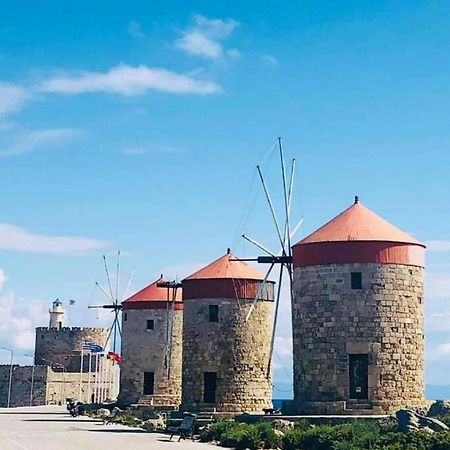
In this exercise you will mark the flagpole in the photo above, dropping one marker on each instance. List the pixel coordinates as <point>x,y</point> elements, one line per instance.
<point>107,388</point>
<point>96,379</point>
<point>81,374</point>
<point>89,378</point>
<point>101,378</point>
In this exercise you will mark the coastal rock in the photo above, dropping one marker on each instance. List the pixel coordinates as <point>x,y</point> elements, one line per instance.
<point>439,408</point>
<point>408,420</point>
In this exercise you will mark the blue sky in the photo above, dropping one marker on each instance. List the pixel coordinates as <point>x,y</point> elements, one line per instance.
<point>137,126</point>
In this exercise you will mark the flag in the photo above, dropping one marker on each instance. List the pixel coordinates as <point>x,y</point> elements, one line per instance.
<point>114,357</point>
<point>92,347</point>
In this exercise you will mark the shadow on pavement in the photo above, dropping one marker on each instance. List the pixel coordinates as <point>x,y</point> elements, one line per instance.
<point>62,420</point>
<point>112,430</point>
<point>23,413</point>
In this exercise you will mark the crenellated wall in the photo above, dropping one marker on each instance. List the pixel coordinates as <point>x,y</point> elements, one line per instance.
<point>63,346</point>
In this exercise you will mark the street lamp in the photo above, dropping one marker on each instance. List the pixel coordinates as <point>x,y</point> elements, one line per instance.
<point>10,374</point>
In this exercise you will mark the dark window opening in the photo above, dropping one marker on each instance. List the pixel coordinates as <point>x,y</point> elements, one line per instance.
<point>209,387</point>
<point>150,324</point>
<point>213,313</point>
<point>149,383</point>
<point>125,317</point>
<point>356,280</point>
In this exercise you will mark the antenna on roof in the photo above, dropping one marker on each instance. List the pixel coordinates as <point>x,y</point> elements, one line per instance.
<point>284,233</point>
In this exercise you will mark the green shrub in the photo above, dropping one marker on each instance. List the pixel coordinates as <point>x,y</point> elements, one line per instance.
<point>217,430</point>
<point>232,436</point>
<point>268,436</point>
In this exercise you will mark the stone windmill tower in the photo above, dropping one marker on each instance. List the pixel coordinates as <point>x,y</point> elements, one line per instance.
<point>152,321</point>
<point>357,312</point>
<point>225,357</point>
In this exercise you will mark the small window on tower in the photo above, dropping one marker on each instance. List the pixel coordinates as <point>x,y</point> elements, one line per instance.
<point>213,313</point>
<point>125,317</point>
<point>356,280</point>
<point>150,324</point>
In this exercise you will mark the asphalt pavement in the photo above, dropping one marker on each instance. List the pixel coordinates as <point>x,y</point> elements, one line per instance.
<point>52,428</point>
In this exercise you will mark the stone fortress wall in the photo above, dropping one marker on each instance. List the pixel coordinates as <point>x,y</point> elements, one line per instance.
<point>40,385</point>
<point>384,319</point>
<point>145,351</point>
<point>237,350</point>
<point>62,346</point>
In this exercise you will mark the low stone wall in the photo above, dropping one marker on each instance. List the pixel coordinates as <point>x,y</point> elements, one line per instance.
<point>40,385</point>
<point>28,386</point>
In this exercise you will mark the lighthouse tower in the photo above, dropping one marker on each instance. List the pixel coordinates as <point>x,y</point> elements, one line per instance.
<point>56,315</point>
<point>357,316</point>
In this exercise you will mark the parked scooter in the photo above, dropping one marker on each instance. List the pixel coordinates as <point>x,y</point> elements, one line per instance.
<point>75,408</point>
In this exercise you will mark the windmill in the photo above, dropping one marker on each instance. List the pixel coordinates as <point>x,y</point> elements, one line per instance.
<point>115,304</point>
<point>284,233</point>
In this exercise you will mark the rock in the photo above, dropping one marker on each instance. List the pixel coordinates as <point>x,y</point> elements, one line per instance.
<point>439,408</point>
<point>282,425</point>
<point>278,433</point>
<point>433,424</point>
<point>154,424</point>
<point>103,412</point>
<point>408,420</point>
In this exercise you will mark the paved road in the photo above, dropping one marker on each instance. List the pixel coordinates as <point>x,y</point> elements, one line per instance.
<point>51,428</point>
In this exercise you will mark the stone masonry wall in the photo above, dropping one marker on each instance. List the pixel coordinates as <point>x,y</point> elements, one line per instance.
<point>384,320</point>
<point>43,386</point>
<point>63,346</point>
<point>145,350</point>
<point>21,385</point>
<point>237,350</point>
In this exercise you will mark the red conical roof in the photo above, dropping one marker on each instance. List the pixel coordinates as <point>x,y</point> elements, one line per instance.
<point>227,267</point>
<point>153,293</point>
<point>358,223</point>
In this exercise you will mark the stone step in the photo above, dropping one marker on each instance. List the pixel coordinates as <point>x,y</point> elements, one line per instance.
<point>359,406</point>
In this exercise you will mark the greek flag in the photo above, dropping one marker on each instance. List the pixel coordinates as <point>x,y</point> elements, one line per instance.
<point>92,347</point>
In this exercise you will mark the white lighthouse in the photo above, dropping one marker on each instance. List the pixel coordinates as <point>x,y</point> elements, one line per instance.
<point>56,315</point>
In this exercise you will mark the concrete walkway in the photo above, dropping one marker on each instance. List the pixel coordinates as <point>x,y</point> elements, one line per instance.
<point>52,428</point>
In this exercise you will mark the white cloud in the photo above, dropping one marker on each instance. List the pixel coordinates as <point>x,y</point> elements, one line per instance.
<point>19,319</point>
<point>26,141</point>
<point>283,346</point>
<point>437,285</point>
<point>437,322</point>
<point>152,148</point>
<point>203,38</point>
<point>438,246</point>
<point>12,98</point>
<point>234,53</point>
<point>135,30</point>
<point>129,81</point>
<point>270,59</point>
<point>437,352</point>
<point>18,239</point>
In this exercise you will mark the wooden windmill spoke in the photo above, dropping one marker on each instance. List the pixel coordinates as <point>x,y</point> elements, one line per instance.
<point>257,244</point>
<point>104,292</point>
<point>277,304</point>
<point>272,210</point>
<point>252,307</point>
<point>108,277</point>
<point>130,279</point>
